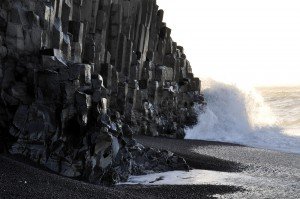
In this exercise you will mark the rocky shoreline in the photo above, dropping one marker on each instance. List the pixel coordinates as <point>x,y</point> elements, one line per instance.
<point>78,78</point>
<point>259,173</point>
<point>270,174</point>
<point>20,178</point>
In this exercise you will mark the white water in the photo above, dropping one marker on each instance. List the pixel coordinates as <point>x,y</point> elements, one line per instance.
<point>257,186</point>
<point>242,116</point>
<point>190,178</point>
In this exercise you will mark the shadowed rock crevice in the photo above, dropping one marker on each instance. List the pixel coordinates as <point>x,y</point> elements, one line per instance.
<point>78,78</point>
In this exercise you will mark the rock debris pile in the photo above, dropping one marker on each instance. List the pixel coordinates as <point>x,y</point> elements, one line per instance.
<point>79,77</point>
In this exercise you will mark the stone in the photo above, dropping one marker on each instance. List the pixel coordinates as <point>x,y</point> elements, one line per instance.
<point>148,71</point>
<point>107,57</point>
<point>99,95</point>
<point>3,52</point>
<point>20,117</point>
<point>165,33</point>
<point>121,96</point>
<point>153,92</point>
<point>83,104</point>
<point>196,84</point>
<point>115,31</point>
<point>164,73</point>
<point>8,74</point>
<point>169,74</point>
<point>77,4</point>
<point>90,50</point>
<point>170,61</point>
<point>120,64</point>
<point>174,47</point>
<point>33,40</point>
<point>189,67</point>
<point>103,105</point>
<point>47,85</point>
<point>66,15</point>
<point>101,20</point>
<point>82,72</point>
<point>160,16</point>
<point>76,29</point>
<point>58,6</point>
<point>76,52</point>
<point>106,73</point>
<point>19,91</point>
<point>79,78</point>
<point>150,55</point>
<point>128,58</point>
<point>68,90</point>
<point>183,68</point>
<point>52,164</point>
<point>159,54</point>
<point>33,19</point>
<point>18,16</point>
<point>181,49</point>
<point>57,34</point>
<point>66,46</point>
<point>141,37</point>
<point>15,37</point>
<point>97,81</point>
<point>100,51</point>
<point>68,170</point>
<point>112,43</point>
<point>53,59</point>
<point>127,131</point>
<point>3,18</point>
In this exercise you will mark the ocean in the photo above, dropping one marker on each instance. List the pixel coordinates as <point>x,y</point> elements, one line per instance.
<point>266,118</point>
<point>285,105</point>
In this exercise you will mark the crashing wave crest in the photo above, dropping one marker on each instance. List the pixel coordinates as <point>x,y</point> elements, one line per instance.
<point>239,116</point>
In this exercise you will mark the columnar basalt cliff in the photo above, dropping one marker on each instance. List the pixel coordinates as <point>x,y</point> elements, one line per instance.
<point>79,77</point>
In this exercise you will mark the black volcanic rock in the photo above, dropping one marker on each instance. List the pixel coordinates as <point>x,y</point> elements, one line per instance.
<point>78,78</point>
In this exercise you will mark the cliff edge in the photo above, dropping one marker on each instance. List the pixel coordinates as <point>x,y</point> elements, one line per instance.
<point>79,77</point>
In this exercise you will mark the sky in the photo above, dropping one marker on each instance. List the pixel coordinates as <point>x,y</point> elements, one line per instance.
<point>248,42</point>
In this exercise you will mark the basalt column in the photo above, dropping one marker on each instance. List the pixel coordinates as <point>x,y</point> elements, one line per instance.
<point>79,77</point>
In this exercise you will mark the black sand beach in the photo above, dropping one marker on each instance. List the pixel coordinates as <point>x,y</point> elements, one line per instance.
<point>18,179</point>
<point>274,174</point>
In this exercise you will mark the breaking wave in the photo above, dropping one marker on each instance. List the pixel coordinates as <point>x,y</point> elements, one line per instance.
<point>241,116</point>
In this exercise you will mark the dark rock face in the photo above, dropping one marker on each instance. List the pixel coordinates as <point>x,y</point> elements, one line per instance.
<point>78,78</point>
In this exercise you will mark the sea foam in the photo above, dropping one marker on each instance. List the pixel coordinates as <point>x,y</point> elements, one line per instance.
<point>241,116</point>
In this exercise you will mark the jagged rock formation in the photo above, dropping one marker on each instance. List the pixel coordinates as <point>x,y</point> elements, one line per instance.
<point>79,77</point>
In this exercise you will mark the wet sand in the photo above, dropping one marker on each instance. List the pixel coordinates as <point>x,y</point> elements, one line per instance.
<point>274,174</point>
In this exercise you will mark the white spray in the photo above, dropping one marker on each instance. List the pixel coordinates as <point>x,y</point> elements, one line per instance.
<point>240,116</point>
